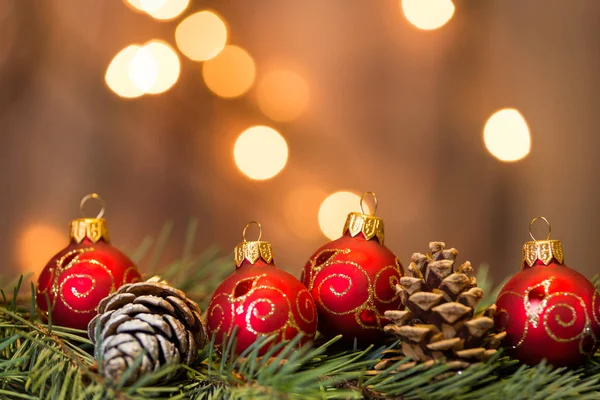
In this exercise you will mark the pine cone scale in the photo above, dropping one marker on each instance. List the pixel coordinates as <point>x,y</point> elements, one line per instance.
<point>438,322</point>
<point>148,318</point>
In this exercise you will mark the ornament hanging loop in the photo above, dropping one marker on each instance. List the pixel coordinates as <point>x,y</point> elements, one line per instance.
<point>89,197</point>
<point>375,202</point>
<point>547,222</point>
<point>246,228</point>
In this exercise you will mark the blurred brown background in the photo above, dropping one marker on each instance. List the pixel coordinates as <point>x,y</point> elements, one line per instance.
<point>392,109</point>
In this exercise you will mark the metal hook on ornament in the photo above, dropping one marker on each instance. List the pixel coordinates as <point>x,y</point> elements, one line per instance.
<point>375,202</point>
<point>547,222</point>
<point>246,228</point>
<point>95,196</point>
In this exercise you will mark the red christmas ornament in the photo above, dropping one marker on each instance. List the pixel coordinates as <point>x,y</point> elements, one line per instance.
<point>548,310</point>
<point>82,274</point>
<point>260,299</point>
<point>353,279</point>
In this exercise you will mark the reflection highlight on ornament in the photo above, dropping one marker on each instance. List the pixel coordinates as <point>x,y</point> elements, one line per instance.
<point>282,95</point>
<point>334,210</point>
<point>37,244</point>
<point>427,14</point>
<point>506,135</point>
<point>231,73</point>
<point>201,36</point>
<point>260,152</point>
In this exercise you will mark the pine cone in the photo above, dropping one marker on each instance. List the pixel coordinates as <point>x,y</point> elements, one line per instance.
<point>150,316</point>
<point>438,320</point>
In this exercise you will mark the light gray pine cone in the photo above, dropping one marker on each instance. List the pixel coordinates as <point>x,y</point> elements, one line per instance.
<point>150,316</point>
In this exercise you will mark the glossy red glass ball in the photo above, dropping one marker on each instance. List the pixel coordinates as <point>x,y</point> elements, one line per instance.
<point>78,277</point>
<point>261,299</point>
<point>353,283</point>
<point>549,312</point>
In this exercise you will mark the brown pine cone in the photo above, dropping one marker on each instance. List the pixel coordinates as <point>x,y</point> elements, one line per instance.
<point>147,316</point>
<point>438,319</point>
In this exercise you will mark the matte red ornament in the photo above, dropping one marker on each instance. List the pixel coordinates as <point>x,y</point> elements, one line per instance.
<point>548,310</point>
<point>260,299</point>
<point>353,280</point>
<point>82,274</point>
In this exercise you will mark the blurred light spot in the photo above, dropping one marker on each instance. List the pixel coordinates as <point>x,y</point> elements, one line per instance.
<point>117,73</point>
<point>159,9</point>
<point>151,5</point>
<point>201,36</point>
<point>428,14</point>
<point>168,10</point>
<point>37,244</point>
<point>143,70</point>
<point>231,73</point>
<point>334,210</point>
<point>282,95</point>
<point>135,4</point>
<point>300,206</point>
<point>167,63</point>
<point>506,135</point>
<point>260,152</point>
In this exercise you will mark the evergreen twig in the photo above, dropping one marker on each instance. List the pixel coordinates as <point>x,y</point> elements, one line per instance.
<point>45,361</point>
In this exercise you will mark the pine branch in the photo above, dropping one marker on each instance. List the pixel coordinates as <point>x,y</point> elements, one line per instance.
<point>44,361</point>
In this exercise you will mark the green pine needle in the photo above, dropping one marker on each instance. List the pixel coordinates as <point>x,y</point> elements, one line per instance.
<point>39,360</point>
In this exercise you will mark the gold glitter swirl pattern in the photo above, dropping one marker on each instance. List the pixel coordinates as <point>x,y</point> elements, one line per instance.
<point>345,291</point>
<point>252,310</point>
<point>79,276</point>
<point>579,301</point>
<point>328,257</point>
<point>240,303</point>
<point>127,272</point>
<point>504,311</point>
<point>215,304</point>
<point>308,306</point>
<point>75,292</point>
<point>547,311</point>
<point>596,307</point>
<point>393,280</point>
<point>335,292</point>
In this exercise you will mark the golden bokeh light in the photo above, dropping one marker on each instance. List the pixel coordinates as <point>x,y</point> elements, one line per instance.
<point>151,5</point>
<point>117,74</point>
<point>37,244</point>
<point>260,152</point>
<point>428,14</point>
<point>231,73</point>
<point>136,4</point>
<point>201,36</point>
<point>506,135</point>
<point>143,70</point>
<point>334,210</point>
<point>168,10</point>
<point>282,95</point>
<point>167,64</point>
<point>160,9</point>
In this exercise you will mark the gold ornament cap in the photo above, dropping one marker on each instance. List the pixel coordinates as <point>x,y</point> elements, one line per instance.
<point>93,229</point>
<point>542,250</point>
<point>367,224</point>
<point>253,250</point>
